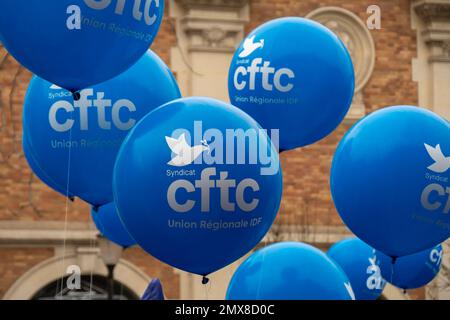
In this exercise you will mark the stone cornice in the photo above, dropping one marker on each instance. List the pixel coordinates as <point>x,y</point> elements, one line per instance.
<point>436,33</point>
<point>430,10</point>
<point>211,25</point>
<point>46,233</point>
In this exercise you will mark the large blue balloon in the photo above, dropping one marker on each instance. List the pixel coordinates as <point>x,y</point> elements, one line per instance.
<point>413,271</point>
<point>108,222</point>
<point>197,184</point>
<point>289,271</point>
<point>86,135</point>
<point>360,263</point>
<point>295,75</point>
<point>390,180</point>
<point>39,172</point>
<point>113,35</point>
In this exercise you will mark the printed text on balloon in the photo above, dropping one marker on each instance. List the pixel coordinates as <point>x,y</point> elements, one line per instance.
<point>83,104</point>
<point>120,4</point>
<point>258,66</point>
<point>205,184</point>
<point>436,189</point>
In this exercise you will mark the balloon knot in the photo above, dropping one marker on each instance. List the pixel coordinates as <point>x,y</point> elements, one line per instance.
<point>76,95</point>
<point>394,260</point>
<point>205,280</point>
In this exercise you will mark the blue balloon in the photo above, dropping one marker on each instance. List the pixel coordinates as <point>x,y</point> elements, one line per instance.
<point>108,222</point>
<point>289,271</point>
<point>197,184</point>
<point>360,263</point>
<point>86,135</point>
<point>413,271</point>
<point>37,170</point>
<point>109,37</point>
<point>295,75</point>
<point>389,179</point>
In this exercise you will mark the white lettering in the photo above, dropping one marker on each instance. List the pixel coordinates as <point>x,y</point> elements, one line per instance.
<point>261,71</point>
<point>206,184</point>
<point>74,20</point>
<point>87,101</point>
<point>120,6</point>
<point>441,192</point>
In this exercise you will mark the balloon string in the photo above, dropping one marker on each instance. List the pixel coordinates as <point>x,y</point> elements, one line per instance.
<point>394,260</point>
<point>68,198</point>
<point>76,95</point>
<point>91,277</point>
<point>207,285</point>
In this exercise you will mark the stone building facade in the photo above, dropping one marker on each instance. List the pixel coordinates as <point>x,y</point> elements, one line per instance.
<point>406,61</point>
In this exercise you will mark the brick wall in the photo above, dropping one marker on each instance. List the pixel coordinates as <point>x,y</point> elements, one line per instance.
<point>307,198</point>
<point>14,262</point>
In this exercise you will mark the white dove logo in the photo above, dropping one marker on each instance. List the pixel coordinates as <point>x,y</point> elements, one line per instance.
<point>350,290</point>
<point>55,87</point>
<point>184,153</point>
<point>250,46</point>
<point>441,163</point>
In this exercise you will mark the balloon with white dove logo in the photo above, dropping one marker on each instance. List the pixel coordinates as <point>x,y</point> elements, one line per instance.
<point>390,180</point>
<point>294,75</point>
<point>289,271</point>
<point>79,43</point>
<point>412,271</point>
<point>197,184</point>
<point>361,264</point>
<point>75,143</point>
